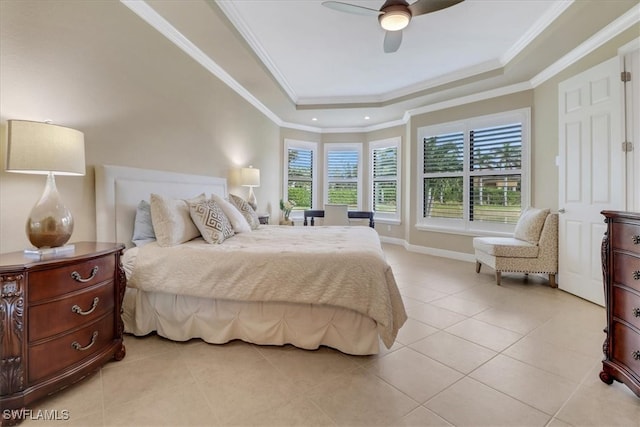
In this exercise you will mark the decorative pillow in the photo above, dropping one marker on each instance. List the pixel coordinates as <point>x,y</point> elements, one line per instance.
<point>237,220</point>
<point>171,219</point>
<point>211,221</point>
<point>247,211</point>
<point>530,225</point>
<point>143,227</point>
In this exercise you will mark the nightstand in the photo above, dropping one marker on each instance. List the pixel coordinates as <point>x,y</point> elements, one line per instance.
<point>264,218</point>
<point>60,320</point>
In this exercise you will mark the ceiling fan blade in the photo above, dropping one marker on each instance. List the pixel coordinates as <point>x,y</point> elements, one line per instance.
<point>392,40</point>
<point>427,6</point>
<point>350,8</point>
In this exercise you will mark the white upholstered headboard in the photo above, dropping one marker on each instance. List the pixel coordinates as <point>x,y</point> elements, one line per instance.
<point>119,189</point>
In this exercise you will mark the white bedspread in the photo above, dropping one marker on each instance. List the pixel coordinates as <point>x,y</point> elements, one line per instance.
<point>340,266</point>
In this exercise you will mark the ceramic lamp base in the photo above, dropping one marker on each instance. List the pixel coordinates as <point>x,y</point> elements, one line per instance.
<point>50,223</point>
<point>253,202</point>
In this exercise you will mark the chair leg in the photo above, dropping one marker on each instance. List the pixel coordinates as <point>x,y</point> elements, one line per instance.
<point>478,266</point>
<point>498,277</point>
<point>552,280</point>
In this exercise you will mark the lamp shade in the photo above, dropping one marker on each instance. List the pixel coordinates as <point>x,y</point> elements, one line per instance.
<point>40,148</point>
<point>250,177</point>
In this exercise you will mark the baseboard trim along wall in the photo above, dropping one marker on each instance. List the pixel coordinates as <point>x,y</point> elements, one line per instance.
<point>460,256</point>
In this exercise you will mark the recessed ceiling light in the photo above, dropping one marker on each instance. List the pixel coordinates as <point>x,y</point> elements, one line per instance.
<point>367,117</point>
<point>314,119</point>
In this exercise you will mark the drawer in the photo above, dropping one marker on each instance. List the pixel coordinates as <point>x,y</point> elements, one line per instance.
<point>626,306</point>
<point>624,237</point>
<point>59,281</point>
<point>626,270</point>
<point>69,313</point>
<point>54,356</point>
<point>626,347</point>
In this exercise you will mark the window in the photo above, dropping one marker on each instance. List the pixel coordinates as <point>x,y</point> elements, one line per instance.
<point>300,182</point>
<point>343,180</point>
<point>474,173</point>
<point>385,179</point>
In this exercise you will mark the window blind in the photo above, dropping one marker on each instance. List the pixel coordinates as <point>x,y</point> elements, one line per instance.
<point>443,181</point>
<point>495,197</point>
<point>385,180</point>
<point>444,153</point>
<point>300,177</point>
<point>342,177</point>
<point>496,148</point>
<point>475,174</point>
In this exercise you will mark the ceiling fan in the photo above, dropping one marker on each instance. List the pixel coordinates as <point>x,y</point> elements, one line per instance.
<point>394,15</point>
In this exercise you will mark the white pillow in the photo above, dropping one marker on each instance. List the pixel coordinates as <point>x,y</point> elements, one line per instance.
<point>238,221</point>
<point>211,221</point>
<point>171,219</point>
<point>530,224</point>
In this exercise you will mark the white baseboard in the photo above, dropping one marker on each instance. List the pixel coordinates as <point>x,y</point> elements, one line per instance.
<point>443,253</point>
<point>393,240</point>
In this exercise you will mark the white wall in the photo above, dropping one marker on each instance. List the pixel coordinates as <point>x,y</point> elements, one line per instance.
<point>97,67</point>
<point>140,101</point>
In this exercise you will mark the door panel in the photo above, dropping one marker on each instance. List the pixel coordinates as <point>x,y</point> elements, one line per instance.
<point>591,173</point>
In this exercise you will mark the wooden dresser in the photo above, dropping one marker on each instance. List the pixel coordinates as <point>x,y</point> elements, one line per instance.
<point>621,273</point>
<point>60,321</point>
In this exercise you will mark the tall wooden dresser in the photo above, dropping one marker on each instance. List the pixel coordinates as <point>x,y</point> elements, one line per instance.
<point>621,274</point>
<point>60,321</point>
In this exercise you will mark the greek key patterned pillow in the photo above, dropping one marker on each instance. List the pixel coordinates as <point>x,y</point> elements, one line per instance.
<point>247,211</point>
<point>211,221</point>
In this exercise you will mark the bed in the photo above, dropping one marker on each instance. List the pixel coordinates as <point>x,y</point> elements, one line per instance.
<point>275,285</point>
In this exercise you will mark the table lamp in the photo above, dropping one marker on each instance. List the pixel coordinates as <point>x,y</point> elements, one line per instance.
<point>43,148</point>
<point>250,177</point>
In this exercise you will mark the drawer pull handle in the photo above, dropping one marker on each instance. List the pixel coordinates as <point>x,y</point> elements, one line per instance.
<point>78,278</point>
<point>636,275</point>
<point>636,355</point>
<point>76,308</point>
<point>76,345</point>
<point>636,240</point>
<point>636,312</point>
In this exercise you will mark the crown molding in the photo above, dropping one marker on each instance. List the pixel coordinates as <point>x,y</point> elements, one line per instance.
<point>631,17</point>
<point>480,96</point>
<point>149,15</point>
<point>230,10</point>
<point>403,92</point>
<point>153,18</point>
<point>538,27</point>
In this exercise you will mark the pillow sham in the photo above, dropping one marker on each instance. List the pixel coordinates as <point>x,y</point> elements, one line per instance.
<point>143,227</point>
<point>247,211</point>
<point>171,219</point>
<point>210,219</point>
<point>237,220</point>
<point>530,224</point>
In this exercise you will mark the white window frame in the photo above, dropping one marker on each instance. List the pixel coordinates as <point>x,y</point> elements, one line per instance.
<point>342,146</point>
<point>302,145</point>
<point>382,144</point>
<point>464,225</point>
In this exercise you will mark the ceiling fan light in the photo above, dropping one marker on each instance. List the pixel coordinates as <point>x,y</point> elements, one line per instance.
<point>395,19</point>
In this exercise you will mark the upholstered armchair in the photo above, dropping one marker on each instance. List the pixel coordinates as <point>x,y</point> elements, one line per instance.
<point>532,249</point>
<point>336,214</point>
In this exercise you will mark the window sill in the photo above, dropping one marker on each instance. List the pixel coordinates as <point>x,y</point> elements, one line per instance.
<point>387,221</point>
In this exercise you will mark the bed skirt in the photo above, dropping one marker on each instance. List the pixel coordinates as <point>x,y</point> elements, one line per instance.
<point>307,326</point>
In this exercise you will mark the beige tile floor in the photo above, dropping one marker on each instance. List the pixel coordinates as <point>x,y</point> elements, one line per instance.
<point>471,354</point>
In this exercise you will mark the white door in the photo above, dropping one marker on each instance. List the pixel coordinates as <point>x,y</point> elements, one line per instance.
<point>632,100</point>
<point>591,173</point>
